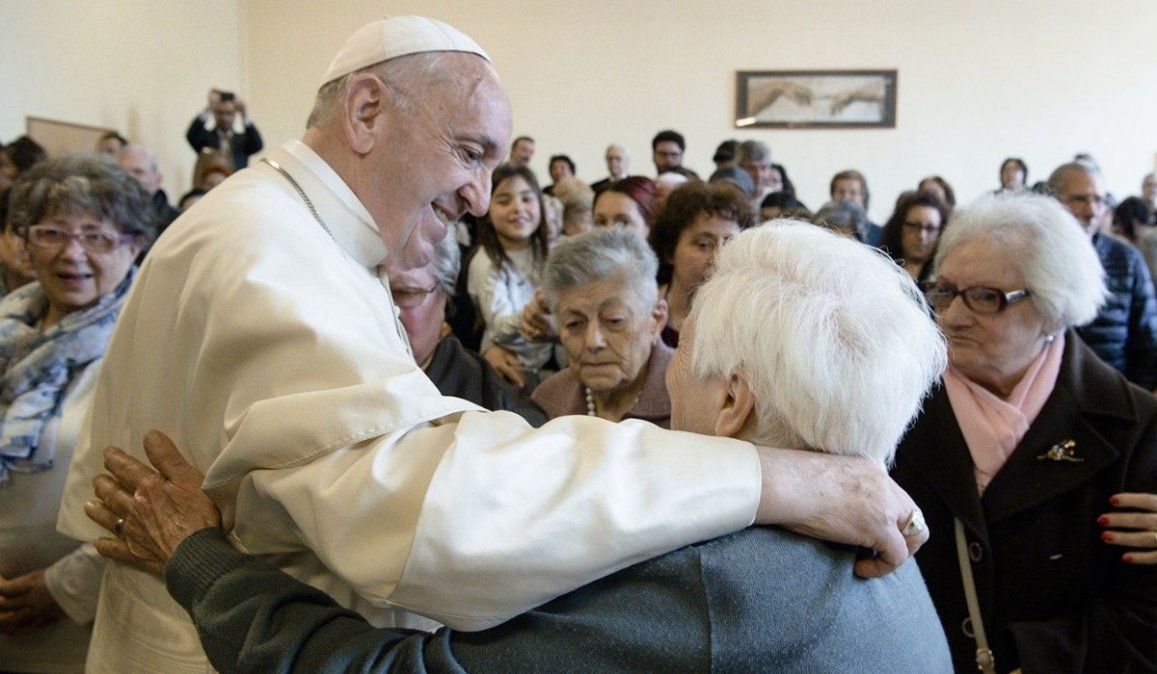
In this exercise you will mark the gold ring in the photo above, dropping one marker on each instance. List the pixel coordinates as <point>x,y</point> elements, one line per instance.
<point>119,526</point>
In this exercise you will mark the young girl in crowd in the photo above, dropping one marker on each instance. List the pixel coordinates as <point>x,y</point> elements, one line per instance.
<point>504,271</point>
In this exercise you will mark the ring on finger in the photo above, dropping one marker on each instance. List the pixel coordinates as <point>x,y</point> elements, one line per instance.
<point>915,523</point>
<point>118,527</point>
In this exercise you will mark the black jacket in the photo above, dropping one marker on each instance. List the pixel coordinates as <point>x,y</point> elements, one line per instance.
<point>464,374</point>
<point>1053,596</point>
<point>244,144</point>
<point>1124,334</point>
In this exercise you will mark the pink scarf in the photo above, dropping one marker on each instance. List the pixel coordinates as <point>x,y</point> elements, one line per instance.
<point>993,427</point>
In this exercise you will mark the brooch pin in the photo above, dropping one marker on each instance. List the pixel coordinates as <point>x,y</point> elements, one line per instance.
<point>1063,451</point>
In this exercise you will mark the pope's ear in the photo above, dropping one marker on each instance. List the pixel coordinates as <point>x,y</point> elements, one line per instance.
<point>363,112</point>
<point>736,408</point>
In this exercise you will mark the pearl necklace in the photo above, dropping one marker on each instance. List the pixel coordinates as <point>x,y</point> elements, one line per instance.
<point>591,412</point>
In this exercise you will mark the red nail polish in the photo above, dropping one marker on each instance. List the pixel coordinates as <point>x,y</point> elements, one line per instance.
<point>1107,537</point>
<point>1114,500</point>
<point>1103,521</point>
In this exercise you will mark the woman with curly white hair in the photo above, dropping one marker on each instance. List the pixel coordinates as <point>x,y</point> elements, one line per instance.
<point>1020,451</point>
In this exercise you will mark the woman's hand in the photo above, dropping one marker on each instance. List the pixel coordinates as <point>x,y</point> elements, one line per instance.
<point>150,512</point>
<point>26,605</point>
<point>1133,529</point>
<point>506,364</point>
<point>534,321</point>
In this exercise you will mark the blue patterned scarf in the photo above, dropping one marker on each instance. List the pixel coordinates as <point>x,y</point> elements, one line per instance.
<point>37,367</point>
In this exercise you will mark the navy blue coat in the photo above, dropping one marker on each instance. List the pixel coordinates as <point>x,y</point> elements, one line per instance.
<point>1124,334</point>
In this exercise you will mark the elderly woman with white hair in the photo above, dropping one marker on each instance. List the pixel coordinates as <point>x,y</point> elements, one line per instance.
<point>1023,447</point>
<point>784,347</point>
<point>600,286</point>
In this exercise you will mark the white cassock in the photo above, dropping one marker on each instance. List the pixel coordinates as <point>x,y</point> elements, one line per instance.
<point>268,350</point>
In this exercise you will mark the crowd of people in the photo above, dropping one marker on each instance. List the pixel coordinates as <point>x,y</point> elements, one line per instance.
<point>997,354</point>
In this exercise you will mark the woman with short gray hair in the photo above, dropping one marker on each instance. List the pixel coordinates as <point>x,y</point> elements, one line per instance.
<point>83,221</point>
<point>1023,447</point>
<point>600,287</point>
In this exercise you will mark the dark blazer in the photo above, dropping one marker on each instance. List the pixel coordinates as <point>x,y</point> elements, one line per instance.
<point>244,144</point>
<point>1053,596</point>
<point>464,374</point>
<point>760,600</point>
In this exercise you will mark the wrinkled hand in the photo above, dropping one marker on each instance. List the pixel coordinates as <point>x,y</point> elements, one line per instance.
<point>239,106</point>
<point>534,322</point>
<point>160,509</point>
<point>1133,529</point>
<point>26,605</point>
<point>841,499</point>
<point>214,97</point>
<point>506,364</point>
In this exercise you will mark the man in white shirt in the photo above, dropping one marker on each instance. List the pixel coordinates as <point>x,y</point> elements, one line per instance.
<point>260,338</point>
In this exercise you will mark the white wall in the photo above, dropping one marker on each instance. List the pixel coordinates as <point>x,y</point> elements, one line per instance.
<point>979,80</point>
<point>143,67</point>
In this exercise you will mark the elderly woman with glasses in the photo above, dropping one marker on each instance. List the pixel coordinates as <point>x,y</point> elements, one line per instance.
<point>601,288</point>
<point>1023,448</point>
<point>84,221</point>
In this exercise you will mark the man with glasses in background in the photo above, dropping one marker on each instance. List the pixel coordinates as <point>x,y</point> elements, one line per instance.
<point>1124,334</point>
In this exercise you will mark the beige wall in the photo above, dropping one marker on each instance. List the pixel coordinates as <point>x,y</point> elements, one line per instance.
<point>978,80</point>
<point>143,67</point>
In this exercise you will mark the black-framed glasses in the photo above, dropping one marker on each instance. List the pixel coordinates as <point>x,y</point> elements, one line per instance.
<point>408,298</point>
<point>980,299</point>
<point>921,227</point>
<point>51,238</point>
<point>1090,200</point>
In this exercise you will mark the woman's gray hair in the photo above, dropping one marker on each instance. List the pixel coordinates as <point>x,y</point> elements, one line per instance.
<point>753,150</point>
<point>833,338</point>
<point>598,254</point>
<point>843,215</point>
<point>81,183</point>
<point>1045,243</point>
<point>446,264</point>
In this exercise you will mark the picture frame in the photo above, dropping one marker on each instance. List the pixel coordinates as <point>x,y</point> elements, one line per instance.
<point>815,99</point>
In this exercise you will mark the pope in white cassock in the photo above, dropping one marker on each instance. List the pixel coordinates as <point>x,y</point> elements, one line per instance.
<point>261,338</point>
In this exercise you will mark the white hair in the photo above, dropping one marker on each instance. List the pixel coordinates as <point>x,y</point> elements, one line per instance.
<point>599,254</point>
<point>833,338</point>
<point>446,264</point>
<point>670,179</point>
<point>1045,243</point>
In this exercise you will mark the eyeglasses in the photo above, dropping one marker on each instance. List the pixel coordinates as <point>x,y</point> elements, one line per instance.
<point>979,299</point>
<point>93,241</point>
<point>918,227</point>
<point>408,298</point>
<point>1091,200</point>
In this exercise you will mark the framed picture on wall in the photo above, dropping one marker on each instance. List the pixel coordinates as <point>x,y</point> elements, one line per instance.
<point>815,99</point>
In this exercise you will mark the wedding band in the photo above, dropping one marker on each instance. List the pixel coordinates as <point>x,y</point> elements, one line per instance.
<point>915,523</point>
<point>119,526</point>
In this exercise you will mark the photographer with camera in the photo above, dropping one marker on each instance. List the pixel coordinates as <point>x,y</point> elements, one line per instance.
<point>224,106</point>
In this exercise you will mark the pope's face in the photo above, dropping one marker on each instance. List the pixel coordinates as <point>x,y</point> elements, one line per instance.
<point>432,161</point>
